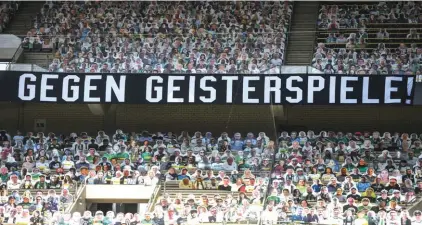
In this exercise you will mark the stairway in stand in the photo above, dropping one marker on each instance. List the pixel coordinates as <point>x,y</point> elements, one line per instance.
<point>301,40</point>
<point>21,23</point>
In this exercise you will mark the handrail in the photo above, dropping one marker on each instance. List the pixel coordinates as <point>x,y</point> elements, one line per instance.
<point>381,39</point>
<point>48,61</point>
<point>376,28</point>
<point>17,50</point>
<point>312,54</point>
<point>357,48</point>
<point>288,34</point>
<point>264,199</point>
<point>153,200</point>
<point>375,43</point>
<point>9,65</point>
<point>101,34</point>
<point>201,191</point>
<point>77,196</point>
<point>216,171</point>
<point>369,30</point>
<point>64,206</point>
<point>340,4</point>
<point>415,205</point>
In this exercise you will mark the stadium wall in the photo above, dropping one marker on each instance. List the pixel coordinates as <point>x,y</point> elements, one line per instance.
<point>215,118</point>
<point>78,117</point>
<point>356,118</point>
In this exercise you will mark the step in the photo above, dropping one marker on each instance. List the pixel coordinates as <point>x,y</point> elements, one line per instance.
<point>298,51</point>
<point>295,60</point>
<point>302,39</point>
<point>307,18</point>
<point>19,33</point>
<point>295,48</point>
<point>42,60</point>
<point>303,13</point>
<point>295,24</point>
<point>307,40</point>
<point>308,24</point>
<point>300,43</point>
<point>46,56</point>
<point>19,27</point>
<point>36,54</point>
<point>302,32</point>
<point>300,57</point>
<point>310,29</point>
<point>303,20</point>
<point>306,4</point>
<point>306,56</point>
<point>37,62</point>
<point>303,27</point>
<point>304,10</point>
<point>298,60</point>
<point>297,64</point>
<point>305,7</point>
<point>299,54</point>
<point>304,36</point>
<point>42,65</point>
<point>304,23</point>
<point>301,50</point>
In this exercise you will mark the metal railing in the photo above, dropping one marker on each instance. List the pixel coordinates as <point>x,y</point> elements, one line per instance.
<point>14,57</point>
<point>153,200</point>
<point>76,197</point>
<point>286,42</point>
<point>265,223</point>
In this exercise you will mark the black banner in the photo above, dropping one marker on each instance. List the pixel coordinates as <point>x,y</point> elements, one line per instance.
<point>316,89</point>
<point>417,100</point>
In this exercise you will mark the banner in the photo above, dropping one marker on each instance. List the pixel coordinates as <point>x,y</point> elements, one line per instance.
<point>417,100</point>
<point>205,88</point>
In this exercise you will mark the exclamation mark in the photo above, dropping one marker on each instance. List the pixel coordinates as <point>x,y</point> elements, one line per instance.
<point>410,81</point>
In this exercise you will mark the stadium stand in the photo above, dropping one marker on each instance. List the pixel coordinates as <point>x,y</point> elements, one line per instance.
<point>336,178</point>
<point>370,38</point>
<point>190,37</point>
<point>211,179</point>
<point>7,11</point>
